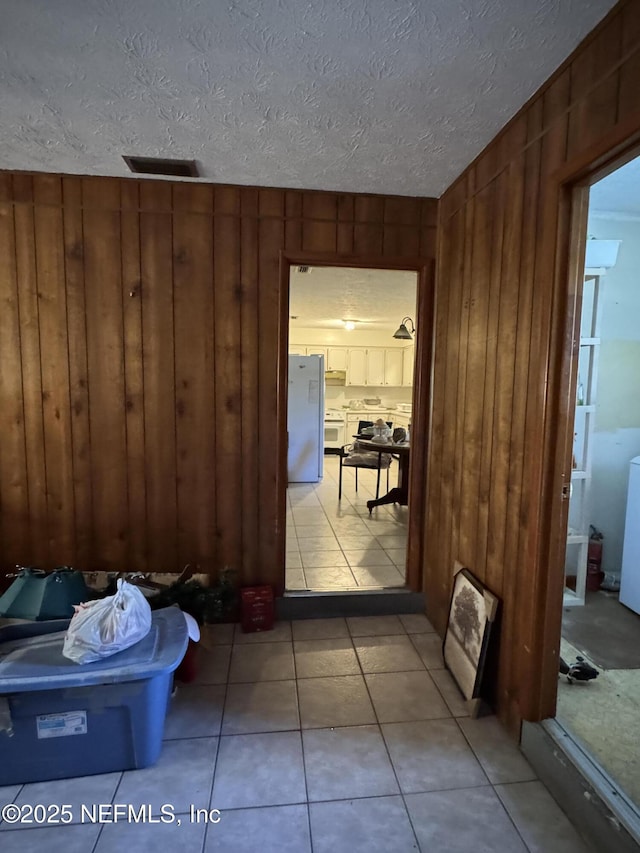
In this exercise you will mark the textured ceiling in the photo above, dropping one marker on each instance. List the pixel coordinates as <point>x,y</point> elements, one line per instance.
<point>386,96</point>
<point>375,299</point>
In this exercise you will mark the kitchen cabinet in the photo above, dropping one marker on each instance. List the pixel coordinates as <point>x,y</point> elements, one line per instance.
<point>295,349</point>
<point>393,367</point>
<point>375,374</point>
<point>356,367</point>
<point>400,419</point>
<point>408,357</point>
<point>314,350</point>
<point>337,358</point>
<point>579,502</point>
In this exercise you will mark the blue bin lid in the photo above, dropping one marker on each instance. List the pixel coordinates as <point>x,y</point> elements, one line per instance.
<point>37,663</point>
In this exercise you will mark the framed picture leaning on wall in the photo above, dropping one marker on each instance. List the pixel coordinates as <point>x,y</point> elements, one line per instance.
<point>472,612</point>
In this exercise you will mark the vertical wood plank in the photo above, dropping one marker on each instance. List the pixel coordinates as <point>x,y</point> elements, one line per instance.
<point>228,397</point>
<point>195,409</point>
<point>159,389</point>
<point>55,377</point>
<point>14,496</point>
<point>78,372</point>
<point>105,357</point>
<point>132,299</point>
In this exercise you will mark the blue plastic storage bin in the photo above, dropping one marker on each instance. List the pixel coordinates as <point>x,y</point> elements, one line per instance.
<point>77,720</point>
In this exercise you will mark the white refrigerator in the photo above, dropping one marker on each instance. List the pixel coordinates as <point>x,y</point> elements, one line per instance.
<point>305,418</point>
<point>630,576</point>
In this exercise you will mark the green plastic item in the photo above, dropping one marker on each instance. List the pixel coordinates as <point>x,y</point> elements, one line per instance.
<point>37,595</point>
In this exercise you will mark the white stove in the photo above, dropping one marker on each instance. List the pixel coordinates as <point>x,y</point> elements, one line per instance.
<point>334,428</point>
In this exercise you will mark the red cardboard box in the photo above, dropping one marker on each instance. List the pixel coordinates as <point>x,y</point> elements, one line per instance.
<point>257,608</point>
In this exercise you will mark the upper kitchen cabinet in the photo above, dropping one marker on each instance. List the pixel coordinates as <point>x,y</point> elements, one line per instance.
<point>337,358</point>
<point>393,367</point>
<point>408,356</point>
<point>375,367</point>
<point>356,367</point>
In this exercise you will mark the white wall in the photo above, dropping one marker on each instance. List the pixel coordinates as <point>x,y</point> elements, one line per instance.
<point>616,437</point>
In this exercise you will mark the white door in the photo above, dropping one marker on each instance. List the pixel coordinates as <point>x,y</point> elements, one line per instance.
<point>393,367</point>
<point>375,367</point>
<point>630,577</point>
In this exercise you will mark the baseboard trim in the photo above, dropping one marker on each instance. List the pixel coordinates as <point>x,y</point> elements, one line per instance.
<point>316,605</point>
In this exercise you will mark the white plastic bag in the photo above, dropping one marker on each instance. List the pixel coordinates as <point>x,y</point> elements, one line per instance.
<point>108,625</point>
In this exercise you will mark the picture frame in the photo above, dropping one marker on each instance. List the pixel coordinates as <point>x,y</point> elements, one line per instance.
<point>472,612</point>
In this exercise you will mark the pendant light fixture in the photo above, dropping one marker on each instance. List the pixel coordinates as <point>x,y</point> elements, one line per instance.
<point>403,333</point>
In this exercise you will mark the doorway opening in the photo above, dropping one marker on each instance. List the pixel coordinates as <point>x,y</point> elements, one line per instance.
<point>348,370</point>
<point>601,602</point>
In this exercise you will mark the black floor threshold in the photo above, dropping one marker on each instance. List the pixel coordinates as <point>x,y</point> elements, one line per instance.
<point>316,605</point>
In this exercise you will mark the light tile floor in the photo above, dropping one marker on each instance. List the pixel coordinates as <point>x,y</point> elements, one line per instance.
<point>323,736</point>
<point>337,545</point>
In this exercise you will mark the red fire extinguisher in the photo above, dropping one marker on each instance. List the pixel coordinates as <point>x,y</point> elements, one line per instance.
<point>594,559</point>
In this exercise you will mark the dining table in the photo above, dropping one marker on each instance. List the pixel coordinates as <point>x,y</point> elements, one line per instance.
<point>399,494</point>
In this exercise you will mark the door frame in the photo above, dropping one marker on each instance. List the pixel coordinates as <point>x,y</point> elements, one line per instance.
<point>566,212</point>
<point>422,391</point>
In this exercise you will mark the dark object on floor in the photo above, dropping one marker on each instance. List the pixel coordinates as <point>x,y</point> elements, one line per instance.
<point>605,631</point>
<point>205,603</point>
<point>580,670</point>
<point>39,595</point>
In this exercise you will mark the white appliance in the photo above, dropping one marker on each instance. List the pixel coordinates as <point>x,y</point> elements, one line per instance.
<point>630,577</point>
<point>305,418</point>
<point>334,429</point>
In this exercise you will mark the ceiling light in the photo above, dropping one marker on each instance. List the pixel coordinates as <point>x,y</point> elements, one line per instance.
<point>402,332</point>
<point>349,325</point>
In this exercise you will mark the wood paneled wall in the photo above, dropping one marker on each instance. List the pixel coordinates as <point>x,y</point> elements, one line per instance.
<point>498,318</point>
<point>140,336</point>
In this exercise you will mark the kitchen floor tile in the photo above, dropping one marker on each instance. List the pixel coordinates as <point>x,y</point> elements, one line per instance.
<point>356,543</point>
<point>261,662</point>
<point>387,654</point>
<point>195,711</point>
<point>319,629</point>
<point>393,540</point>
<point>294,579</point>
<point>405,696</point>
<point>369,825</point>
<point>264,706</point>
<point>259,770</point>
<point>323,559</point>
<point>320,528</point>
<point>347,762</point>
<point>398,556</point>
<point>378,576</point>
<point>330,578</point>
<point>499,755</point>
<point>276,829</point>
<point>432,755</point>
<point>292,560</point>
<point>308,515</point>
<point>462,821</point>
<point>319,543</point>
<point>367,557</point>
<point>316,658</point>
<point>539,819</point>
<point>334,701</point>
